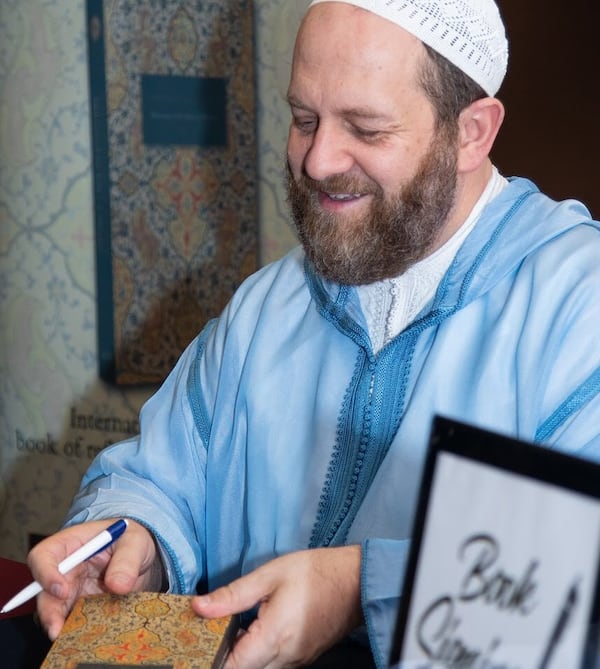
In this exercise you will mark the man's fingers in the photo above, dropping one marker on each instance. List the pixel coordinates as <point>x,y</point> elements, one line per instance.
<point>240,595</point>
<point>253,649</point>
<point>257,647</point>
<point>124,566</point>
<point>132,556</point>
<point>306,601</point>
<point>52,615</point>
<point>44,558</point>
<point>221,602</point>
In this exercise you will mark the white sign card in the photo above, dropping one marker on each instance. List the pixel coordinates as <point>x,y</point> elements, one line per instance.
<point>504,568</point>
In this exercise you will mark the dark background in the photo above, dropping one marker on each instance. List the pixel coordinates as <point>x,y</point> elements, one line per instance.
<point>552,96</point>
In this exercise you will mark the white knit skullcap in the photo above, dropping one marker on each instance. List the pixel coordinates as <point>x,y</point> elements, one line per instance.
<point>469,33</point>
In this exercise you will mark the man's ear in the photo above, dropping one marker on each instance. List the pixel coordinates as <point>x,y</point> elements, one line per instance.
<point>478,126</point>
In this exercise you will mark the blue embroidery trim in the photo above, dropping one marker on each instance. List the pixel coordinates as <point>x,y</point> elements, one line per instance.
<point>577,399</point>
<point>194,387</point>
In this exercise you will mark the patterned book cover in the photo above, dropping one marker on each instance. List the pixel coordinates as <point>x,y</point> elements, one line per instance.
<point>174,156</point>
<point>147,629</point>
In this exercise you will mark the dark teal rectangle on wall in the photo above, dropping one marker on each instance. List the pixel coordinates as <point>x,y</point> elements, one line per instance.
<point>184,111</point>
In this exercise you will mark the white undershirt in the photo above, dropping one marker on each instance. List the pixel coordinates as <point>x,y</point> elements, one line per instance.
<point>392,304</point>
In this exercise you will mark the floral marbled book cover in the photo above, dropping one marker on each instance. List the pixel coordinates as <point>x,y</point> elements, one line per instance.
<point>154,630</point>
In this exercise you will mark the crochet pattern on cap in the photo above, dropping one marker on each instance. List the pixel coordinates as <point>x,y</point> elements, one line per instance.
<point>469,33</point>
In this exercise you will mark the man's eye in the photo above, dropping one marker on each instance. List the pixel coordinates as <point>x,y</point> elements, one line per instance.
<point>305,125</point>
<point>366,134</point>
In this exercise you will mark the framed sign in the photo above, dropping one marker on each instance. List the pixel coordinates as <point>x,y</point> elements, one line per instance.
<point>504,571</point>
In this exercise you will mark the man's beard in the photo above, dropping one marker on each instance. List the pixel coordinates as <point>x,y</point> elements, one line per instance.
<point>391,236</point>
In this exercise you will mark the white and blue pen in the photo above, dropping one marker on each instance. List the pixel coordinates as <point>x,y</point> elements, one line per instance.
<point>85,552</point>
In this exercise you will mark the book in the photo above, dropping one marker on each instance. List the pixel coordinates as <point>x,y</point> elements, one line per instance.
<point>155,630</point>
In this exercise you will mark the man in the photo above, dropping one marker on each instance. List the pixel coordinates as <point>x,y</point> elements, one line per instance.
<point>278,465</point>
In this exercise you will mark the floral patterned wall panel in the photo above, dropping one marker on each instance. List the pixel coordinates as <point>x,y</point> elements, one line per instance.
<point>55,412</point>
<point>172,90</point>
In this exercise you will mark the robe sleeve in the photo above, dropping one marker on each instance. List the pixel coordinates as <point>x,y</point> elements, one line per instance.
<point>383,566</point>
<point>150,478</point>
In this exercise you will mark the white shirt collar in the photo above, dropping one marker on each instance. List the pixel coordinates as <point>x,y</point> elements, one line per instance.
<point>392,304</point>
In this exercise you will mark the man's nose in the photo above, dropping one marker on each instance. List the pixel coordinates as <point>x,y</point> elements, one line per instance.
<point>329,153</point>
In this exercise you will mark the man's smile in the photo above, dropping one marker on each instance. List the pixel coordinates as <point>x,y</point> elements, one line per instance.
<point>334,201</point>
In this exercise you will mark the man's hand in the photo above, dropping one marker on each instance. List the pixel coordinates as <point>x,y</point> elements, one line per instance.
<point>131,563</point>
<point>307,602</point>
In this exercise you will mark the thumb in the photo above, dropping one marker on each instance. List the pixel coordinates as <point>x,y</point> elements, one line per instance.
<point>238,596</point>
<point>130,565</point>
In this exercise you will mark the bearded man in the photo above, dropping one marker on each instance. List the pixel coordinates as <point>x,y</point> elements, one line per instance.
<point>279,464</point>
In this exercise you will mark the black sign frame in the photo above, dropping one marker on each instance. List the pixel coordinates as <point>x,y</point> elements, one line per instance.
<point>524,463</point>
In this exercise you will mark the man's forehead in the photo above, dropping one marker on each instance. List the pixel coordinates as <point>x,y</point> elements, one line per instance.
<point>347,44</point>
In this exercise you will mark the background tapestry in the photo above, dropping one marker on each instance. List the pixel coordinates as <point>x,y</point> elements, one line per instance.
<point>173,126</point>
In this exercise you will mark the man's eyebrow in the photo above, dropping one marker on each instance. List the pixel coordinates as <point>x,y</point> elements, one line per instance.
<point>295,102</point>
<point>365,113</point>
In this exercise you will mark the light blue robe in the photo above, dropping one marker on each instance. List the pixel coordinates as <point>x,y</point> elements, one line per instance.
<point>279,429</point>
